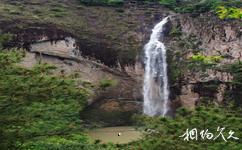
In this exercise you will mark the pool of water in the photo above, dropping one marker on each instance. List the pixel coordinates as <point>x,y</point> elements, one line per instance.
<point>117,135</point>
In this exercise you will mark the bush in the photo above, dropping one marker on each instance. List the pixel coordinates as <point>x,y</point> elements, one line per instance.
<point>199,61</point>
<point>231,8</point>
<point>229,13</point>
<point>105,83</point>
<point>163,133</point>
<point>168,3</point>
<point>37,107</point>
<point>196,7</point>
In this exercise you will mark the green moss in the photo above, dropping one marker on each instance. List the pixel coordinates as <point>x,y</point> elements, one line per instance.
<point>205,59</point>
<point>199,62</point>
<point>105,83</point>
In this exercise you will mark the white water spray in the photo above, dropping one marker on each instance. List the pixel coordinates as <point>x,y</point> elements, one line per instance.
<point>155,89</point>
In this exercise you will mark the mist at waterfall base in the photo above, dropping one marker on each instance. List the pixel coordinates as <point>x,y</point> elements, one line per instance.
<point>155,88</point>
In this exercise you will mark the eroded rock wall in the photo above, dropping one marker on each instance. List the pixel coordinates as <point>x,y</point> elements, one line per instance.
<point>209,36</point>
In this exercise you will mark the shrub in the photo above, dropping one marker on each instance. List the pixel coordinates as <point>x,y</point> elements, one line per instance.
<point>163,133</point>
<point>202,62</point>
<point>168,3</point>
<point>196,7</point>
<point>229,13</point>
<point>37,108</point>
<point>105,83</point>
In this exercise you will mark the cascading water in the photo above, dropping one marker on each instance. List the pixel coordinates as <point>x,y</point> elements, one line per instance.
<point>155,88</point>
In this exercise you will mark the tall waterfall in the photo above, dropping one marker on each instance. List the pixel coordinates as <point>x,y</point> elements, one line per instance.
<point>155,88</point>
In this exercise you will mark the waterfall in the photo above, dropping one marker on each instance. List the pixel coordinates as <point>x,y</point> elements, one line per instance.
<point>155,88</point>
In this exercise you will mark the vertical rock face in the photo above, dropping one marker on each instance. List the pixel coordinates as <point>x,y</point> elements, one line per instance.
<point>116,102</point>
<point>217,37</point>
<point>209,36</point>
<point>63,54</point>
<point>108,46</point>
<point>188,97</point>
<point>65,47</point>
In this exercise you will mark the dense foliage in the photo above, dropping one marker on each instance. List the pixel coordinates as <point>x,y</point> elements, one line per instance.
<point>224,8</point>
<point>163,133</point>
<point>38,109</point>
<point>229,13</point>
<point>201,62</point>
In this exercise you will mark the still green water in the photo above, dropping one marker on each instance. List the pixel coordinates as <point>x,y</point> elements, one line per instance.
<point>110,134</point>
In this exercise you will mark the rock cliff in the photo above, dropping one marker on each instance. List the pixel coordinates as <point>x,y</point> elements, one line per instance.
<point>106,43</point>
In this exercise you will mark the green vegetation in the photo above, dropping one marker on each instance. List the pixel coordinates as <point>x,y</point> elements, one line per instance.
<point>196,62</point>
<point>175,32</point>
<point>229,13</point>
<point>200,6</point>
<point>105,83</point>
<point>78,20</point>
<point>58,12</point>
<point>168,3</point>
<point>164,132</point>
<point>203,62</point>
<point>111,24</point>
<point>224,8</point>
<point>38,109</point>
<point>236,70</point>
<point>206,59</point>
<point>230,9</point>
